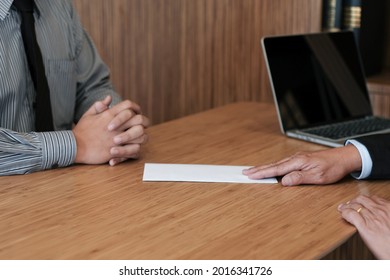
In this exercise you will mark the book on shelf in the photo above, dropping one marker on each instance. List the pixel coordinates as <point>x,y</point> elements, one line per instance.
<point>342,15</point>
<point>352,14</point>
<point>366,18</point>
<point>332,15</point>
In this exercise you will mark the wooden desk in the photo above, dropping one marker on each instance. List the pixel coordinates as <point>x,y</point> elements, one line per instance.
<point>102,212</point>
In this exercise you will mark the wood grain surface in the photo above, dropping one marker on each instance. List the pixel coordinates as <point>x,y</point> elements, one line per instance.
<point>103,212</point>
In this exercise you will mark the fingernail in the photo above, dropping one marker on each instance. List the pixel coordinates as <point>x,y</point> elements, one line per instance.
<point>117,140</point>
<point>111,127</point>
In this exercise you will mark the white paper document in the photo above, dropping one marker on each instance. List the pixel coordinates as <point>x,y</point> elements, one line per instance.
<point>199,173</point>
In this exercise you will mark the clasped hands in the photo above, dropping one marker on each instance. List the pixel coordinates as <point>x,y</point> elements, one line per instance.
<point>112,135</point>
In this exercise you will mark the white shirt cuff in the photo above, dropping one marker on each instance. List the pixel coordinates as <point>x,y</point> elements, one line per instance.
<point>366,160</point>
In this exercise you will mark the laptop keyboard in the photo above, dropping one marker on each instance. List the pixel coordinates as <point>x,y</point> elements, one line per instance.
<point>350,128</point>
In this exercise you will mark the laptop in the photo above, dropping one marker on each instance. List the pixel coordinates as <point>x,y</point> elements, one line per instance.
<point>319,87</point>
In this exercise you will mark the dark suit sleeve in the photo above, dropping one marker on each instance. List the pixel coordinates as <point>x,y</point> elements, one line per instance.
<point>379,148</point>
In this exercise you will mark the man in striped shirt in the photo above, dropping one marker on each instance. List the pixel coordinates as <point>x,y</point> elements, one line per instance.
<point>92,125</point>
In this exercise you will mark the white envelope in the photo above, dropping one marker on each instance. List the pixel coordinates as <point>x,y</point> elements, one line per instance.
<point>199,173</point>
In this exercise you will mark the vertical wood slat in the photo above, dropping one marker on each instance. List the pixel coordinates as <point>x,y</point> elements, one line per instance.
<point>353,249</point>
<point>178,57</point>
<point>379,89</point>
<point>381,104</point>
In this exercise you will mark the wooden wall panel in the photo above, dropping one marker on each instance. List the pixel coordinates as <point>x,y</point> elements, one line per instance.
<point>353,249</point>
<point>178,57</point>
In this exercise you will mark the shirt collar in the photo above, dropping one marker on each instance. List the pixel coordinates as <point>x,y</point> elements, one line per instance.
<point>5,6</point>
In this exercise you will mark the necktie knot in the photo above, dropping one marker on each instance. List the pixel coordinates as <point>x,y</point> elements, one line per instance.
<point>26,6</point>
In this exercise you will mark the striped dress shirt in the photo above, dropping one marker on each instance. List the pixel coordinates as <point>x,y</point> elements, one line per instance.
<point>76,75</point>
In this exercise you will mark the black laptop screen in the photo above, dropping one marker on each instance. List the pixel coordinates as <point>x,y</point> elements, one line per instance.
<point>316,78</point>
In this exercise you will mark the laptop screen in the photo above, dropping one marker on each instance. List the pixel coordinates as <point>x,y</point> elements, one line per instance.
<point>316,78</point>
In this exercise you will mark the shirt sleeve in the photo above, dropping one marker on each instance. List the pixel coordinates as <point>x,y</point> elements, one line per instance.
<point>22,153</point>
<point>378,146</point>
<point>366,160</point>
<point>93,75</point>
